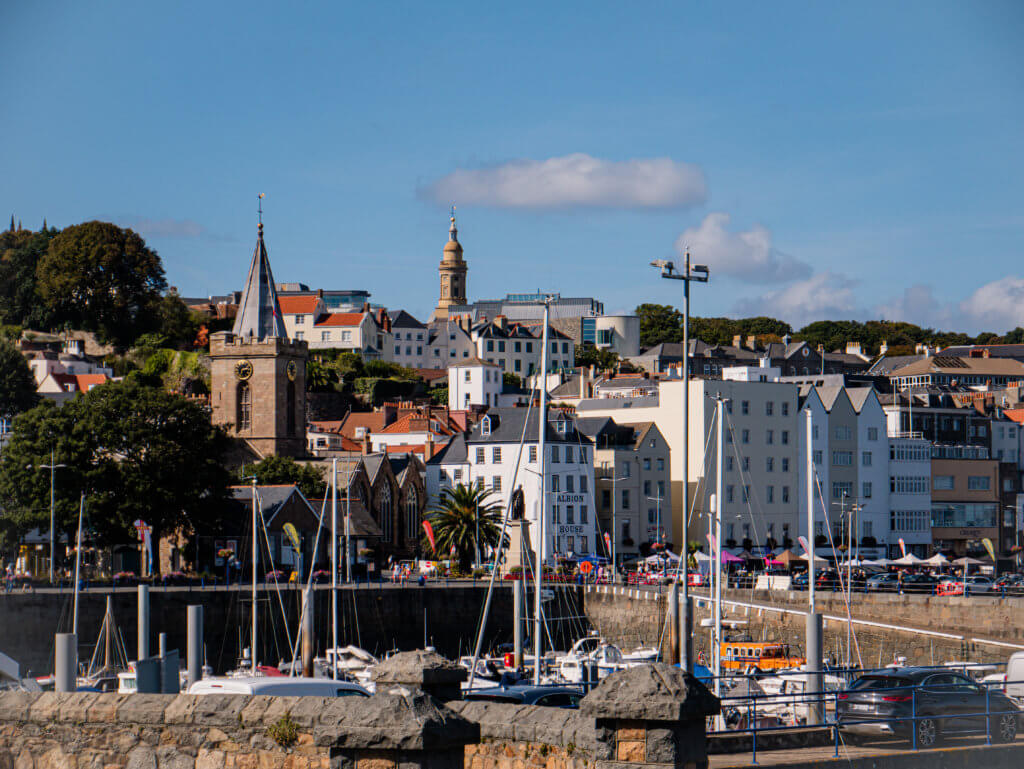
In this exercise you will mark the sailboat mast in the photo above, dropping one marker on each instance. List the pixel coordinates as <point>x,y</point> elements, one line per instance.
<point>542,506</point>
<point>717,563</point>
<point>255,542</point>
<point>78,563</point>
<point>334,565</point>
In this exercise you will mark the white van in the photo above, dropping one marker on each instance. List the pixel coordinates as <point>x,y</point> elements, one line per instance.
<point>277,686</point>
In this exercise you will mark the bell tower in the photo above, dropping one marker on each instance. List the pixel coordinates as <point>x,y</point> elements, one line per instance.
<point>257,374</point>
<point>452,271</point>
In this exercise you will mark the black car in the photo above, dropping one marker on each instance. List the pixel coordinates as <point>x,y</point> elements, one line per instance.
<point>930,701</point>
<point>522,694</point>
<point>919,583</point>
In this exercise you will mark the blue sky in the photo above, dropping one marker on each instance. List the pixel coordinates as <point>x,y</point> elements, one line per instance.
<point>827,160</point>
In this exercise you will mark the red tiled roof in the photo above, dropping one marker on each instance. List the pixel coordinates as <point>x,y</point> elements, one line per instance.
<point>81,382</point>
<point>432,373</point>
<point>303,305</point>
<point>340,319</point>
<point>416,422</point>
<point>1017,415</point>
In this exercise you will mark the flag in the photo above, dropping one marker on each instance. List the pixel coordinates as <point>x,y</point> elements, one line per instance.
<point>607,543</point>
<point>711,541</point>
<point>804,544</point>
<point>988,546</point>
<point>293,536</point>
<point>430,535</point>
<point>903,546</point>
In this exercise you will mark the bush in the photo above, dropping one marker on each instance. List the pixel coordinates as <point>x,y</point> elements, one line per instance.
<point>284,731</point>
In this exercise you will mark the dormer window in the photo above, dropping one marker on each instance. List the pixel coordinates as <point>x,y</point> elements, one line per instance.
<point>562,426</point>
<point>485,426</point>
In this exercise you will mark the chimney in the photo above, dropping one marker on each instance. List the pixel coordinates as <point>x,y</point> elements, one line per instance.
<point>737,340</point>
<point>884,347</point>
<point>428,447</point>
<point>501,322</point>
<point>853,348</point>
<point>593,371</point>
<point>366,443</point>
<point>319,293</point>
<point>986,353</point>
<point>583,384</point>
<point>751,342</point>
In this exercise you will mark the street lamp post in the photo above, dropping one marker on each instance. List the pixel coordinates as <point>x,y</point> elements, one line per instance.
<point>699,273</point>
<point>51,467</point>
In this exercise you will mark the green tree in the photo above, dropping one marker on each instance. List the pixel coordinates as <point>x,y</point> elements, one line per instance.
<point>589,355</point>
<point>659,323</point>
<point>102,278</point>
<point>455,522</point>
<point>20,253</point>
<point>134,450</point>
<point>175,321</point>
<point>17,385</point>
<point>320,377</point>
<point>276,470</point>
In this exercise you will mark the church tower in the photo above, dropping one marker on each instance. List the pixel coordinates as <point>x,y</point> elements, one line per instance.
<point>452,271</point>
<point>258,375</point>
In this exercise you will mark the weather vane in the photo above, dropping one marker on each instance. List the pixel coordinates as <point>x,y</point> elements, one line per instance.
<point>260,204</point>
<point>452,212</point>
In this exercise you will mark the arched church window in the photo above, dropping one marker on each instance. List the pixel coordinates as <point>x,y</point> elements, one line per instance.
<point>244,407</point>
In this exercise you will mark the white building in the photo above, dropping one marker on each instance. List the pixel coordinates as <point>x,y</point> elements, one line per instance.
<point>473,382</point>
<point>409,340</point>
<point>910,495</point>
<point>487,456</point>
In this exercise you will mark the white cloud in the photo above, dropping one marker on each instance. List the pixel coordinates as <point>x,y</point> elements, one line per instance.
<point>997,306</point>
<point>747,256</point>
<point>918,305</point>
<point>574,181</point>
<point>827,295</point>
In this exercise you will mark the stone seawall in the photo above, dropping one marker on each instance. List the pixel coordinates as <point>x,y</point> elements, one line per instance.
<point>378,619</point>
<point>626,616</point>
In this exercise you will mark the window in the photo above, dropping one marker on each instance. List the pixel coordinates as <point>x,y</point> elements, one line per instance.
<point>556,483</point>
<point>556,513</point>
<point>872,433</point>
<point>529,347</point>
<point>625,530</point>
<point>299,335</point>
<point>346,336</point>
<point>943,483</point>
<point>769,437</point>
<point>625,499</point>
<point>501,347</point>
<point>746,464</point>
<point>842,458</point>
<point>627,470</point>
<point>770,495</point>
<point>746,493</point>
<point>769,464</point>
<point>554,454</point>
<point>244,407</point>
<point>468,375</point>
<point>325,336</point>
<point>290,406</point>
<point>496,455</point>
<point>729,464</point>
<point>817,456</point>
<point>568,453</point>
<point>496,483</point>
<point>533,454</point>
<point>583,549</point>
<point>398,349</point>
<point>785,494</point>
<point>785,408</point>
<point>842,433</point>
<point>866,490</point>
<point>769,407</point>
<point>841,489</point>
<point>661,465</point>
<point>583,513</point>
<point>554,347</point>
<point>606,498</point>
<point>652,515</point>
<point>785,464</point>
<point>865,458</point>
<point>412,515</point>
<point>480,455</point>
<point>647,463</point>
<point>384,513</point>
<point>729,493</point>
<point>570,482</point>
<point>570,514</point>
<point>979,483</point>
<point>300,319</point>
<point>583,484</point>
<point>745,407</point>
<point>785,437</point>
<point>661,489</point>
<point>490,345</point>
<point>745,436</point>
<point>814,432</point>
<point>583,455</point>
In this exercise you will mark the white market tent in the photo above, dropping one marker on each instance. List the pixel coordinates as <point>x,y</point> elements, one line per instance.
<point>908,560</point>
<point>937,560</point>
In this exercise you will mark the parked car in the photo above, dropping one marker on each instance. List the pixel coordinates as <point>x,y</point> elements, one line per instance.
<point>933,703</point>
<point>919,583</point>
<point>799,582</point>
<point>827,579</point>
<point>888,582</point>
<point>523,694</point>
<point>1009,580</point>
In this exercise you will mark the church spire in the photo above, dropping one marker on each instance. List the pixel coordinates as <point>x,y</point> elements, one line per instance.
<point>453,232</point>
<point>259,313</point>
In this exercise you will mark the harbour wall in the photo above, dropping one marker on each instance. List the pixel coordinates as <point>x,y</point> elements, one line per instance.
<point>377,618</point>
<point>924,629</point>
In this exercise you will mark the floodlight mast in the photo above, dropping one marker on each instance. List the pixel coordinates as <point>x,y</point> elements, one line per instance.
<point>698,273</point>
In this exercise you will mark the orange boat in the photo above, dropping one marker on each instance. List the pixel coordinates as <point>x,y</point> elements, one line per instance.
<point>740,655</point>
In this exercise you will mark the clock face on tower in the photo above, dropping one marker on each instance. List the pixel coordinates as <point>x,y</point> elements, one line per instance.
<point>292,370</point>
<point>243,370</point>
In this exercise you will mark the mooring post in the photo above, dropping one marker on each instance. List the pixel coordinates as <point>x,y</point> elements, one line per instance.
<point>815,707</point>
<point>194,651</point>
<point>143,620</point>
<point>65,662</point>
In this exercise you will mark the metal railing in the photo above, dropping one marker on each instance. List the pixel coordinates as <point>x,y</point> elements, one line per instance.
<point>741,715</point>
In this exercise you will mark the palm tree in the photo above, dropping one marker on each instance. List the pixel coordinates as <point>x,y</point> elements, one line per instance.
<point>462,512</point>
